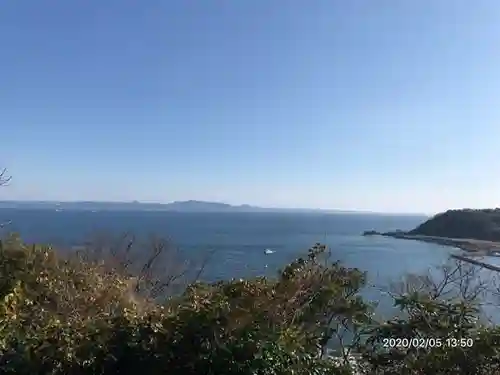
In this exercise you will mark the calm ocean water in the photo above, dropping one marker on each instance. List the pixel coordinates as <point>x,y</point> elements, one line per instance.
<point>240,239</point>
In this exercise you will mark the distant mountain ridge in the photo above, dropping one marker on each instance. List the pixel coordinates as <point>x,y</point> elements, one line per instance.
<point>177,206</point>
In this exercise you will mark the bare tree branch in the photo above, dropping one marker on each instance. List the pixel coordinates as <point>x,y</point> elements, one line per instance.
<point>4,178</point>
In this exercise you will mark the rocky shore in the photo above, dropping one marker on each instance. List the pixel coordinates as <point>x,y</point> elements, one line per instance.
<point>472,246</point>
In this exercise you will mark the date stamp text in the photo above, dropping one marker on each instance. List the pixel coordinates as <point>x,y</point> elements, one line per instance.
<point>426,343</point>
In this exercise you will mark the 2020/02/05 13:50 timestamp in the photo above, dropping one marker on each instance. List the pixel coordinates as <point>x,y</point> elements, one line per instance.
<point>403,342</point>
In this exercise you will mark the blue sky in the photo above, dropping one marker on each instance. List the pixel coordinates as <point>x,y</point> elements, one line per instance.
<point>376,105</point>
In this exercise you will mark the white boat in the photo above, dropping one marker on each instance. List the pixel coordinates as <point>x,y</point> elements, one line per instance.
<point>269,251</point>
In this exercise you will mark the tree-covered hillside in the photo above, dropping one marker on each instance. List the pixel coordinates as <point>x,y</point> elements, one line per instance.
<point>467,223</point>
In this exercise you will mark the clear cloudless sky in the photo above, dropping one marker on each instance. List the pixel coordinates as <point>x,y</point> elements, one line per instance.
<point>388,105</point>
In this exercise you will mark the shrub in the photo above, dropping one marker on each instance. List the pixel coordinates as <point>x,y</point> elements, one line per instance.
<point>75,315</point>
<point>439,330</point>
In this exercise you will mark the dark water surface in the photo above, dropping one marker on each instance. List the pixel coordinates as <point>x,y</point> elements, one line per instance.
<point>240,239</point>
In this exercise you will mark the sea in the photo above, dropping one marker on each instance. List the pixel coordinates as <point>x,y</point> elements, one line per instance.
<point>242,245</point>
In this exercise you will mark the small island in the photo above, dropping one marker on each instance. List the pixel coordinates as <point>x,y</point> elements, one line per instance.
<point>476,231</point>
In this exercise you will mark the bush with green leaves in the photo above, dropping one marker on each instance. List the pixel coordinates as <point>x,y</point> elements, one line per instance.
<point>440,330</point>
<point>70,316</point>
<point>75,315</point>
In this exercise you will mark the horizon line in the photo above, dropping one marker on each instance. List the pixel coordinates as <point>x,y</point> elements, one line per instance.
<point>361,211</point>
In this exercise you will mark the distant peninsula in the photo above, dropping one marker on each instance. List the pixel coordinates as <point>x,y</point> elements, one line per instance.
<point>473,230</point>
<point>177,206</point>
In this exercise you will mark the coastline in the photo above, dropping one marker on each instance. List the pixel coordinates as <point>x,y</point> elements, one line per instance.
<point>472,246</point>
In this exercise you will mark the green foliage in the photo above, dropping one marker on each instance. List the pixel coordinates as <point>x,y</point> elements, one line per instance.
<point>76,316</point>
<point>443,337</point>
<point>61,316</point>
<point>467,223</point>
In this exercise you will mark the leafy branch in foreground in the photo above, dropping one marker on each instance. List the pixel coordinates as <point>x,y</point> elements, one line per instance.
<point>441,314</point>
<point>91,314</point>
